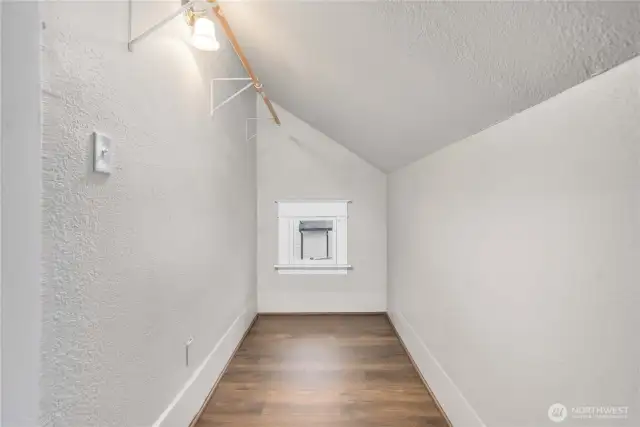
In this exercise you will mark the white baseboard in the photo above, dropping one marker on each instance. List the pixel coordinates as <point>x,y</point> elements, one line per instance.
<point>189,400</point>
<point>454,404</point>
<point>317,301</point>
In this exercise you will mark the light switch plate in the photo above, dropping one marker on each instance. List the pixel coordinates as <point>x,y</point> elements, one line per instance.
<point>102,153</point>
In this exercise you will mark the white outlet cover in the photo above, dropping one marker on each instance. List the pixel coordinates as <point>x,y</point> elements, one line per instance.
<point>102,153</point>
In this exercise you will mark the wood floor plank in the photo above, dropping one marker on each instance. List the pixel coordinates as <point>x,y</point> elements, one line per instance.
<point>321,371</point>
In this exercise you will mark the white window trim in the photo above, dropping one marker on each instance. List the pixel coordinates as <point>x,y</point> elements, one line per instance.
<point>290,213</point>
<point>313,269</point>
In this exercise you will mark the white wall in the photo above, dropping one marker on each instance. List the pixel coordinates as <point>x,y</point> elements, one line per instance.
<point>164,248</point>
<point>0,211</point>
<point>296,161</point>
<point>21,215</point>
<point>513,260</point>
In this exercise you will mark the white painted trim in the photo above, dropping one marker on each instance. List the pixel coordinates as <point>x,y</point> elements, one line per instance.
<point>312,217</point>
<point>313,266</point>
<point>190,398</point>
<point>313,201</point>
<point>458,409</point>
<point>313,269</point>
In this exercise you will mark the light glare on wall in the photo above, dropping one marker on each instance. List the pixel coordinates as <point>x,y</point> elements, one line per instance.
<point>204,35</point>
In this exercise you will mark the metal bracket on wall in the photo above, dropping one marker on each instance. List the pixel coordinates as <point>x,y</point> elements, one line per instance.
<point>249,138</point>
<point>215,107</point>
<point>133,40</point>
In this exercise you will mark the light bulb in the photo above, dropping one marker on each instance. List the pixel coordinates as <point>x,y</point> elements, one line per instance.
<point>204,35</point>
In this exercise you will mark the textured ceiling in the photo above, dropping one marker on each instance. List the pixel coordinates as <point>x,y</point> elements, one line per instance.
<point>394,81</point>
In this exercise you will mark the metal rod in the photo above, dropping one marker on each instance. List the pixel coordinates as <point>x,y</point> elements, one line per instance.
<point>213,109</point>
<point>301,245</point>
<point>243,59</point>
<point>160,24</point>
<point>327,237</point>
<point>212,91</point>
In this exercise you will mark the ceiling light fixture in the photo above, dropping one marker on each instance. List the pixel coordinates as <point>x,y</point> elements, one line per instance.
<point>203,34</point>
<point>203,37</point>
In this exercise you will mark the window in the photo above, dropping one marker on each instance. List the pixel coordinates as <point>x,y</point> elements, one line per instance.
<point>312,237</point>
<point>316,239</point>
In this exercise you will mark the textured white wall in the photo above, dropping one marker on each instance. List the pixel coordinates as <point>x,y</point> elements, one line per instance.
<point>513,260</point>
<point>162,249</point>
<point>0,211</point>
<point>296,161</point>
<point>21,214</point>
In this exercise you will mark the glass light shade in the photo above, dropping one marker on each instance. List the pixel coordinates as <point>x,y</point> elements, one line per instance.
<point>204,35</point>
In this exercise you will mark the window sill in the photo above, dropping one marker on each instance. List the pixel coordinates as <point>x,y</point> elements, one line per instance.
<point>313,268</point>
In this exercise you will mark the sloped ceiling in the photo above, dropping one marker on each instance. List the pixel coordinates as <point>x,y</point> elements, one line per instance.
<point>395,81</point>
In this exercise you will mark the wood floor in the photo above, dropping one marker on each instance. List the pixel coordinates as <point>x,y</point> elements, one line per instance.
<point>321,371</point>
